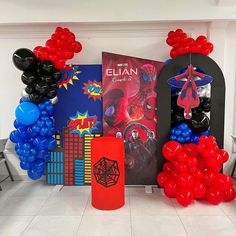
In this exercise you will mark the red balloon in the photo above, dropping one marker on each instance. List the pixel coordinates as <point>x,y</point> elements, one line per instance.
<point>78,47</point>
<point>214,161</point>
<point>36,50</point>
<point>169,41</point>
<point>181,166</point>
<point>191,162</point>
<point>173,53</point>
<point>59,64</point>
<point>59,30</point>
<point>201,39</point>
<point>190,41</point>
<point>178,31</point>
<point>168,167</point>
<point>191,149</point>
<point>174,174</point>
<point>229,195</point>
<point>171,34</point>
<point>208,177</point>
<point>223,182</point>
<point>224,155</point>
<point>170,188</point>
<point>199,190</point>
<point>43,53</point>
<point>197,173</point>
<point>184,196</point>
<point>161,179</point>
<point>171,149</point>
<point>201,164</point>
<point>203,139</point>
<point>214,195</point>
<point>185,180</point>
<point>182,157</point>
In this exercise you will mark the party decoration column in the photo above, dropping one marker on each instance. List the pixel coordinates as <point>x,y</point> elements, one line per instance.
<point>34,134</point>
<point>107,173</point>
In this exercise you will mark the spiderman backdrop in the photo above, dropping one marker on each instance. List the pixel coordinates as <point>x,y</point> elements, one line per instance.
<point>129,111</point>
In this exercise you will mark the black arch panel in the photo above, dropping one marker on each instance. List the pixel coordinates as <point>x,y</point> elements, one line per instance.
<point>209,67</point>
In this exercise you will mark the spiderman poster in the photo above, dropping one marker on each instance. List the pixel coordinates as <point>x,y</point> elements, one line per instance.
<point>129,111</point>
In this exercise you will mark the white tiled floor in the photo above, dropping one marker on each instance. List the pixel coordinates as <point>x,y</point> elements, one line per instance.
<point>33,208</point>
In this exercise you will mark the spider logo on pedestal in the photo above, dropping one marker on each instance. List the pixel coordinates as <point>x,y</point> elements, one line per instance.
<point>106,172</point>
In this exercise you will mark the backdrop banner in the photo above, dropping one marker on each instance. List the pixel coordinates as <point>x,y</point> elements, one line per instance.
<point>130,112</point>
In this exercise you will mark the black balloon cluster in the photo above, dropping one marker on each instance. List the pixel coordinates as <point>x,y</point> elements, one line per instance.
<point>40,76</point>
<point>199,122</point>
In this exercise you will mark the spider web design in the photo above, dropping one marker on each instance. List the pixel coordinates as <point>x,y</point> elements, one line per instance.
<point>106,172</point>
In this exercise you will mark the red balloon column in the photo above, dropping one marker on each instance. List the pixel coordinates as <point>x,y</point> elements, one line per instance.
<point>193,172</point>
<point>182,44</point>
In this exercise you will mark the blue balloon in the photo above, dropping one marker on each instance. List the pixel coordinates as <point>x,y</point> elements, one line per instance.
<point>43,113</point>
<point>41,106</point>
<point>27,113</point>
<point>40,123</point>
<point>177,132</point>
<point>44,131</point>
<point>14,136</point>
<point>33,151</point>
<point>173,137</point>
<point>38,165</point>
<point>180,139</point>
<point>50,109</point>
<point>34,175</point>
<point>52,143</point>
<point>40,143</point>
<point>35,128</point>
<point>43,154</point>
<point>19,151</point>
<point>51,132</point>
<point>17,124</point>
<point>182,126</point>
<point>49,123</point>
<point>27,146</point>
<point>31,132</point>
<point>44,118</point>
<point>24,165</point>
<point>31,158</point>
<point>23,158</point>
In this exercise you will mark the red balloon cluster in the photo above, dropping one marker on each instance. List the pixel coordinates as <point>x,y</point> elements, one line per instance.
<point>59,48</point>
<point>182,44</point>
<point>193,172</point>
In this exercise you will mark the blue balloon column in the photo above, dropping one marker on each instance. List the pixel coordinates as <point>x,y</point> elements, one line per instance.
<point>183,134</point>
<point>34,136</point>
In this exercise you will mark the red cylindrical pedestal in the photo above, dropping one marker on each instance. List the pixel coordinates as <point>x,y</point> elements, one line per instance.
<point>107,160</point>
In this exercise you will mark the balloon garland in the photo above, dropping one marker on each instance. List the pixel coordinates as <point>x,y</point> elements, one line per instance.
<point>182,44</point>
<point>194,160</point>
<point>193,172</point>
<point>34,122</point>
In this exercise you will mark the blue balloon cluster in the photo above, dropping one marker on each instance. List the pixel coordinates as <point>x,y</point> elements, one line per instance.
<point>183,134</point>
<point>34,136</point>
<point>195,137</point>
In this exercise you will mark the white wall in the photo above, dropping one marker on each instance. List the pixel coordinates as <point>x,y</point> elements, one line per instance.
<point>139,37</point>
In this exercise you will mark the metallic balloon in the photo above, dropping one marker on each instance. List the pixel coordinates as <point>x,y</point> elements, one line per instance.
<point>24,95</point>
<point>54,100</point>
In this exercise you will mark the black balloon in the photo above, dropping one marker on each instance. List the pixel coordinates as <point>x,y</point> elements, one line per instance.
<point>52,93</point>
<point>53,86</point>
<point>29,89</point>
<point>28,78</point>
<point>41,88</point>
<point>57,76</point>
<point>206,104</point>
<point>24,59</point>
<point>47,79</point>
<point>36,98</point>
<point>199,122</point>
<point>177,118</point>
<point>47,67</point>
